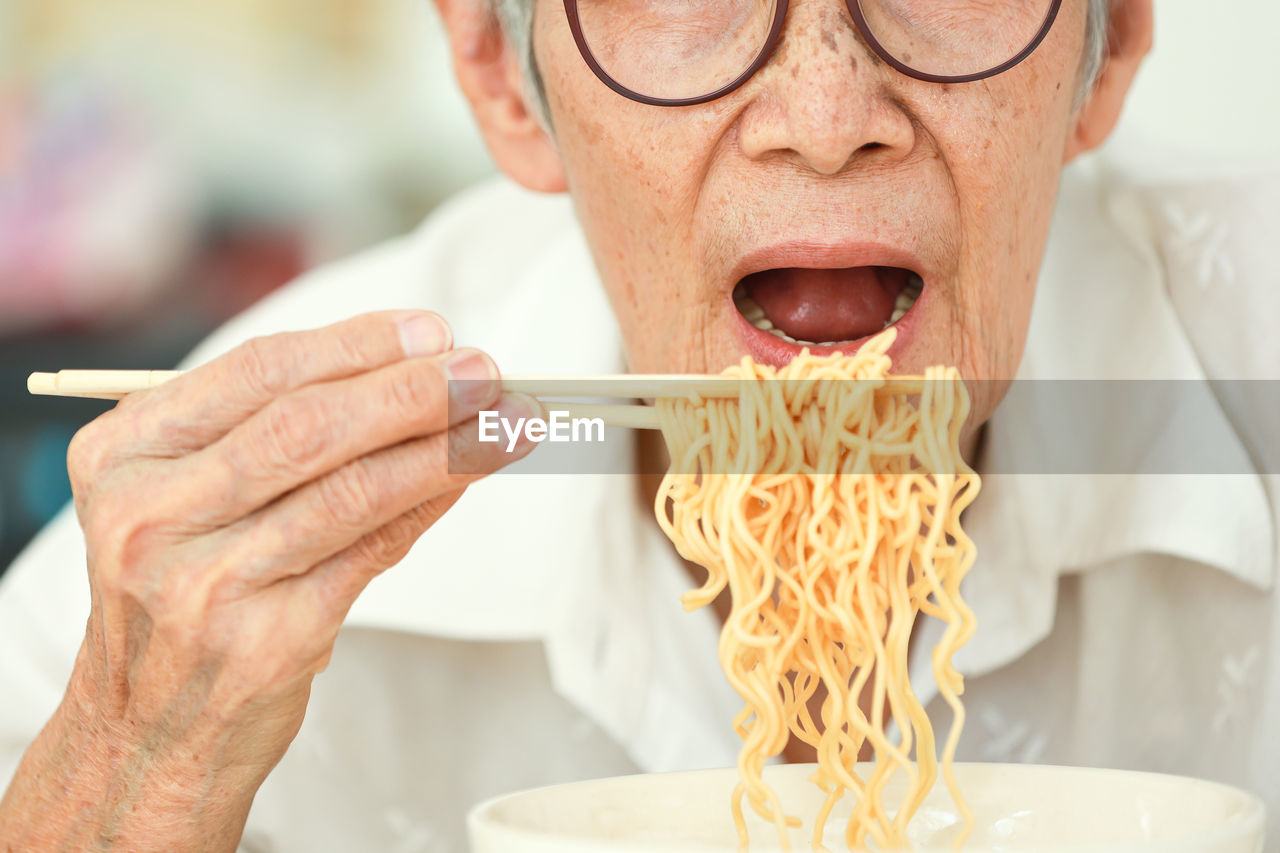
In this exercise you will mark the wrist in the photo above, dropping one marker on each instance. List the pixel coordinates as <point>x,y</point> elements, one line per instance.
<point>94,781</point>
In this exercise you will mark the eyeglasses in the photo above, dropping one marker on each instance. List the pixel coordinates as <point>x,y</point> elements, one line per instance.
<point>681,52</point>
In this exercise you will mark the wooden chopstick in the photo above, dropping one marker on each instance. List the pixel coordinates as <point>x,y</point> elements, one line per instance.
<point>97,384</point>
<point>626,385</point>
<point>115,384</point>
<point>627,417</point>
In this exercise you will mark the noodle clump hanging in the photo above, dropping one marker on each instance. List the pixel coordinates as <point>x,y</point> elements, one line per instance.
<point>831,512</point>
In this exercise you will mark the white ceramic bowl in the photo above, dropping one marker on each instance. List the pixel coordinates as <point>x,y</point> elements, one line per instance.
<point>1017,807</point>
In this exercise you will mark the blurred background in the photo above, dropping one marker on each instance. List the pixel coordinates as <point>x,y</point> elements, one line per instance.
<point>164,165</point>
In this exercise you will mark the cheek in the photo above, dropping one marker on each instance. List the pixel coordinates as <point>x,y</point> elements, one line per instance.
<point>635,175</point>
<point>1005,162</point>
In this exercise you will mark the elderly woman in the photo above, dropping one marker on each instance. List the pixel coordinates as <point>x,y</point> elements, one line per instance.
<point>824,169</point>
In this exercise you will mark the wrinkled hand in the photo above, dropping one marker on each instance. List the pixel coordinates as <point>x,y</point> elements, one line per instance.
<point>232,516</point>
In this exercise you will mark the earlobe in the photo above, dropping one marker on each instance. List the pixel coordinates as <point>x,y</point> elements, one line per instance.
<point>488,72</point>
<point>1130,39</point>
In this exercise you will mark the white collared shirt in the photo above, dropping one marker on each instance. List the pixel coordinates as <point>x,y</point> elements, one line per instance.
<point>535,635</point>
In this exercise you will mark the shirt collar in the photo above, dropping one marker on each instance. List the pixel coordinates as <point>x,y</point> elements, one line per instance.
<point>1102,311</point>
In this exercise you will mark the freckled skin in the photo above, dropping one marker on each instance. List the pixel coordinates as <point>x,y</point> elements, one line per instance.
<point>819,144</point>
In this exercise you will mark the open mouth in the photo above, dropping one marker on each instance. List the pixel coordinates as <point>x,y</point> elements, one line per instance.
<point>827,307</point>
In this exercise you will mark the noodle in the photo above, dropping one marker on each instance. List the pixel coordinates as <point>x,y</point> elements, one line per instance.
<point>831,512</point>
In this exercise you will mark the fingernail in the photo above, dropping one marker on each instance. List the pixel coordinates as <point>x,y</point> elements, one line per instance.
<point>473,377</point>
<point>424,334</point>
<point>518,409</point>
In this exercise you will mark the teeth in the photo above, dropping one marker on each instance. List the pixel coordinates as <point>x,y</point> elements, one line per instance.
<point>906,298</point>
<point>753,312</point>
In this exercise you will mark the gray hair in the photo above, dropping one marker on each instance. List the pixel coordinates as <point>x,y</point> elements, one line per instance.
<point>1097,34</point>
<point>516,19</point>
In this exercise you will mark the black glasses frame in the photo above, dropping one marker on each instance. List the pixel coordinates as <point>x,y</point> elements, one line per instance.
<point>779,19</point>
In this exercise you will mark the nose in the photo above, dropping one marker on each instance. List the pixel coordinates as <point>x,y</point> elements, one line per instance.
<point>821,98</point>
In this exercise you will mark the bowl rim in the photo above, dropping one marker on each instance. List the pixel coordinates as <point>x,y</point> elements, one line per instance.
<point>1250,817</point>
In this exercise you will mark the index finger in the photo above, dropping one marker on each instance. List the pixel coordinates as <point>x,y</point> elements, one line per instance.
<point>198,408</point>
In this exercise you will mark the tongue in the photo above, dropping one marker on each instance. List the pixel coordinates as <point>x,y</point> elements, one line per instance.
<point>827,305</point>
